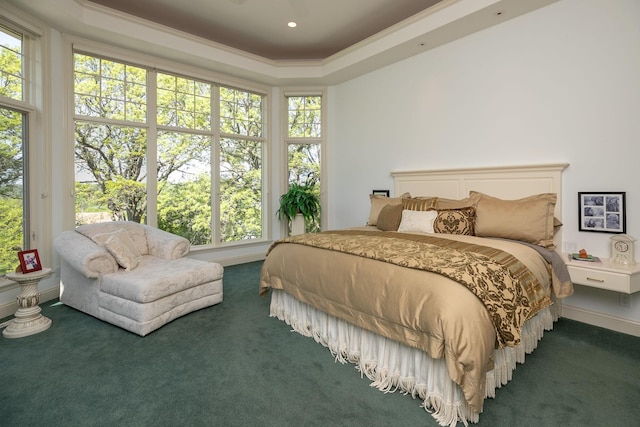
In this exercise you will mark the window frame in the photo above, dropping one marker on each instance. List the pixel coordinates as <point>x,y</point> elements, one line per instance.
<point>322,141</point>
<point>155,65</point>
<point>36,209</point>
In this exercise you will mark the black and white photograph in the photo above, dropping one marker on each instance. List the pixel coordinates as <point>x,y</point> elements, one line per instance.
<point>602,212</point>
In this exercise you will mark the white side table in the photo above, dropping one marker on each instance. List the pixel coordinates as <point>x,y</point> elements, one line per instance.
<point>28,320</point>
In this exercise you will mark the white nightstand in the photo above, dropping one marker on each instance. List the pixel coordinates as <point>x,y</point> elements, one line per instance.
<point>27,320</point>
<point>605,275</point>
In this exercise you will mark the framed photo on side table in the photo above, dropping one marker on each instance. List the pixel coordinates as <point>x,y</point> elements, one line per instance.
<point>29,261</point>
<point>602,212</point>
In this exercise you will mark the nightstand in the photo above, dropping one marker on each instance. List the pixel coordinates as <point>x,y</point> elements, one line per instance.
<point>28,320</point>
<point>605,275</point>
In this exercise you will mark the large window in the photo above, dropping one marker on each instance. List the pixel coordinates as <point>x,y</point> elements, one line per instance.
<point>304,141</point>
<point>13,149</point>
<point>197,144</point>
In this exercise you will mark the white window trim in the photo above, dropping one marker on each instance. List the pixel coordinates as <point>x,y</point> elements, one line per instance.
<point>74,44</point>
<point>284,155</point>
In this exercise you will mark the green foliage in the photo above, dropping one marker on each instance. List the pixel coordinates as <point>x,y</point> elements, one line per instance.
<point>185,209</point>
<point>12,234</point>
<point>299,199</point>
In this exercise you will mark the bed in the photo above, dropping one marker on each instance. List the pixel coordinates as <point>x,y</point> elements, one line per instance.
<point>451,283</point>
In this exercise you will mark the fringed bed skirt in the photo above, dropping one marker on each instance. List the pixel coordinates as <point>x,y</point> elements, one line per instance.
<point>394,366</point>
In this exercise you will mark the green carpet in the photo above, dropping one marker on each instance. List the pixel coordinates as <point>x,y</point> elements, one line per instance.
<point>233,365</point>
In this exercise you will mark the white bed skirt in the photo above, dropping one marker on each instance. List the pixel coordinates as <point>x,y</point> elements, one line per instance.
<point>394,366</point>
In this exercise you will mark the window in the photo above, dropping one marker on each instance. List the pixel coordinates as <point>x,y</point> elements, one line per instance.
<point>205,139</point>
<point>304,140</point>
<point>13,148</point>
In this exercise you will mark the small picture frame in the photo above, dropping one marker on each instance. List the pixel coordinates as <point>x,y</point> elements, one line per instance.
<point>602,212</point>
<point>29,261</point>
<point>380,193</point>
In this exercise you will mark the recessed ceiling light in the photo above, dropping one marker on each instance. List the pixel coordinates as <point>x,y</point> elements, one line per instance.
<point>292,24</point>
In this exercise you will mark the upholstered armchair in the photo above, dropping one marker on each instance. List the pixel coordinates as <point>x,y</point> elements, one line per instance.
<point>134,276</point>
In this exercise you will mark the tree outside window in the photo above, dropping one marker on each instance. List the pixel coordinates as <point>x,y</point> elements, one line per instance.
<point>205,201</point>
<point>304,140</point>
<point>13,126</point>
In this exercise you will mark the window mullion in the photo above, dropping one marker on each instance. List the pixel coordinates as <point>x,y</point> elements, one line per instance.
<point>215,164</point>
<point>152,149</point>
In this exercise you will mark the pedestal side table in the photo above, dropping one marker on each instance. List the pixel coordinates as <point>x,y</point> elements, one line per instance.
<point>27,320</point>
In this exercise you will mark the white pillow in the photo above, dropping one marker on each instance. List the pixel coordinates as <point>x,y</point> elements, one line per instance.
<point>417,221</point>
<point>120,245</point>
<point>123,254</point>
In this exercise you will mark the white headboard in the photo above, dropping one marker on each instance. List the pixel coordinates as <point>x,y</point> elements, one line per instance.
<point>508,182</point>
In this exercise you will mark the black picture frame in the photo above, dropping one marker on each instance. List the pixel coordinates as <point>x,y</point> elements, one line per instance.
<point>380,193</point>
<point>602,212</point>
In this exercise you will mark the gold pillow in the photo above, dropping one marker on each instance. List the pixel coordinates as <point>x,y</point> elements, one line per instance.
<point>378,202</point>
<point>529,219</point>
<point>389,218</point>
<point>419,203</point>
<point>455,221</point>
<point>471,201</point>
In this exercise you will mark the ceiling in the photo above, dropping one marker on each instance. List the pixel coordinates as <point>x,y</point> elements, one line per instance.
<point>324,27</point>
<point>334,41</point>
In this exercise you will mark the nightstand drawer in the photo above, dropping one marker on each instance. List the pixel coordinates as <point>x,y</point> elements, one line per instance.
<point>600,279</point>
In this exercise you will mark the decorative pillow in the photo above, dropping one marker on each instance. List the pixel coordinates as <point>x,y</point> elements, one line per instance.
<point>419,203</point>
<point>124,256</point>
<point>455,221</point>
<point>471,201</point>
<point>420,221</point>
<point>378,202</point>
<point>529,219</point>
<point>389,218</point>
<point>122,235</point>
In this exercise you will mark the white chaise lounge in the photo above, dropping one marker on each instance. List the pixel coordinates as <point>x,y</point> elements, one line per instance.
<point>134,276</point>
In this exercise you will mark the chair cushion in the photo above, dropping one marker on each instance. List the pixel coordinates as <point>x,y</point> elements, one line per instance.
<point>155,278</point>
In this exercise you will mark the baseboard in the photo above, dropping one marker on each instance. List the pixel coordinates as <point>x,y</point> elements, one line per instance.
<point>225,262</point>
<point>606,321</point>
<point>9,309</point>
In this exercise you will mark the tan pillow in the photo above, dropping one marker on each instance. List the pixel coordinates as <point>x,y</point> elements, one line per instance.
<point>419,203</point>
<point>471,201</point>
<point>389,218</point>
<point>529,219</point>
<point>455,221</point>
<point>378,202</point>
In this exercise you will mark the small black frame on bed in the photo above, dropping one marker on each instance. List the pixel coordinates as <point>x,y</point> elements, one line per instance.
<point>602,212</point>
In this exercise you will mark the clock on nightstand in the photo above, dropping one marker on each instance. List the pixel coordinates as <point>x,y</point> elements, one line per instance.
<point>622,249</point>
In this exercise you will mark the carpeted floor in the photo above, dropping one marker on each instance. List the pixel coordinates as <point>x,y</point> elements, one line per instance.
<point>233,365</point>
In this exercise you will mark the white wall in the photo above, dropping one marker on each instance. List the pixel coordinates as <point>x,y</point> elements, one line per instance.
<point>560,84</point>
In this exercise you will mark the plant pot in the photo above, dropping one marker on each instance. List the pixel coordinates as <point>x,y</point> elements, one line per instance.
<point>297,225</point>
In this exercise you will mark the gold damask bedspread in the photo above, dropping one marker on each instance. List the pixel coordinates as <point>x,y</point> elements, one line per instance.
<point>420,308</point>
<point>506,287</point>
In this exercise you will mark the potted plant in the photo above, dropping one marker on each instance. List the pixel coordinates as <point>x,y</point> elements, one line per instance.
<point>299,205</point>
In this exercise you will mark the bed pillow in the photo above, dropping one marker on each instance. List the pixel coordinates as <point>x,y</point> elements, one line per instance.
<point>378,202</point>
<point>419,203</point>
<point>529,219</point>
<point>455,221</point>
<point>389,218</point>
<point>471,201</point>
<point>417,221</point>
